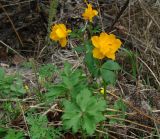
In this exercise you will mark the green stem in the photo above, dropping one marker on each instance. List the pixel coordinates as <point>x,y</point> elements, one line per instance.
<point>34,66</point>
<point>90,28</point>
<point>84,135</point>
<point>105,87</point>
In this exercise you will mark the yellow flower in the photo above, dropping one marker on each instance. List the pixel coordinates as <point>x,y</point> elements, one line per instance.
<point>59,33</point>
<point>26,87</point>
<point>97,53</point>
<point>102,90</point>
<point>89,13</point>
<point>105,45</point>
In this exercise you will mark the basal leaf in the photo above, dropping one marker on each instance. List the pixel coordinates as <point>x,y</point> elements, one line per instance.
<point>83,99</point>
<point>89,124</point>
<point>73,122</point>
<point>67,82</point>
<point>67,68</point>
<point>84,113</point>
<point>54,91</point>
<point>70,107</point>
<point>12,134</point>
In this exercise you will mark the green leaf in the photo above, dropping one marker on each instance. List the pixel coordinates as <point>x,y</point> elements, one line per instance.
<point>119,105</point>
<point>70,107</point>
<point>113,121</point>
<point>2,73</point>
<point>91,64</point>
<point>12,134</point>
<point>111,65</point>
<point>132,59</point>
<point>73,122</point>
<point>88,46</point>
<point>120,108</point>
<point>96,29</point>
<point>55,91</point>
<point>95,106</point>
<point>17,86</point>
<point>79,49</point>
<point>75,77</point>
<point>71,117</point>
<point>83,101</point>
<point>71,79</point>
<point>11,86</point>
<point>67,82</point>
<point>89,124</point>
<point>39,128</point>
<point>67,68</point>
<point>84,113</point>
<point>47,70</point>
<point>2,132</point>
<point>108,76</point>
<point>77,33</point>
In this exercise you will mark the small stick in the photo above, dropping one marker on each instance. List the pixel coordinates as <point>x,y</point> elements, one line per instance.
<point>11,49</point>
<point>24,118</point>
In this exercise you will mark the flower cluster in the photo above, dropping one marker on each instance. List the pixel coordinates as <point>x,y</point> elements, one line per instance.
<point>105,45</point>
<point>59,32</point>
<point>89,13</point>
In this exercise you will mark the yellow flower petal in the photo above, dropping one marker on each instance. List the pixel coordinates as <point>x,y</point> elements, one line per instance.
<point>95,12</point>
<point>60,33</point>
<point>105,50</point>
<point>105,46</point>
<point>111,56</point>
<point>59,30</point>
<point>95,41</point>
<point>89,13</point>
<point>112,36</point>
<point>53,36</point>
<point>97,54</point>
<point>63,42</point>
<point>54,27</point>
<point>104,36</point>
<point>89,7</point>
<point>118,43</point>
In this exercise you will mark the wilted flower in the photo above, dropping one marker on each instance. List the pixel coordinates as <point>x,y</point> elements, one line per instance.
<point>89,13</point>
<point>59,32</point>
<point>105,45</point>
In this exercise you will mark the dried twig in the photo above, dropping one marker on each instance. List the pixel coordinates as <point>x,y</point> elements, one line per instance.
<point>11,49</point>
